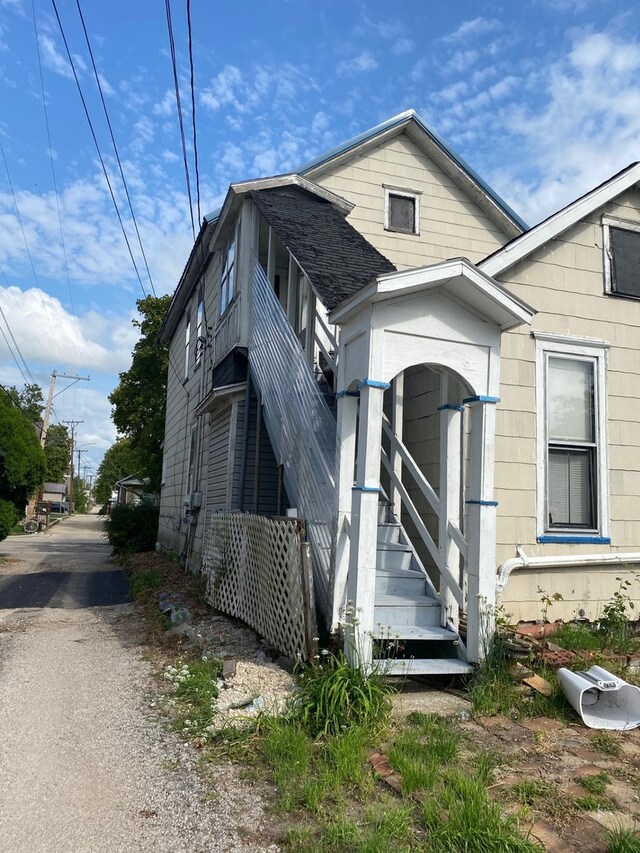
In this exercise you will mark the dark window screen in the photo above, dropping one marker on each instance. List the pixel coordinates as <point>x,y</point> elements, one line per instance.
<point>402,212</point>
<point>625,261</point>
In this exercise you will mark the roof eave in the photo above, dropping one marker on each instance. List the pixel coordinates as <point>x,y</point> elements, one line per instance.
<point>548,229</point>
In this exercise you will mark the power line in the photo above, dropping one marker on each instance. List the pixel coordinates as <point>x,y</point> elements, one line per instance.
<point>95,140</point>
<point>26,381</point>
<point>115,147</point>
<point>12,290</point>
<point>193,109</point>
<point>176,85</point>
<point>15,343</point>
<point>55,184</point>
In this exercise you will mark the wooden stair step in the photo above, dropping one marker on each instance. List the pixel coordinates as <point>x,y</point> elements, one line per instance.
<point>427,666</point>
<point>417,632</point>
<point>404,601</point>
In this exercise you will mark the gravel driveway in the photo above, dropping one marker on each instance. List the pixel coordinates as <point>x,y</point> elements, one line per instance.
<point>85,766</point>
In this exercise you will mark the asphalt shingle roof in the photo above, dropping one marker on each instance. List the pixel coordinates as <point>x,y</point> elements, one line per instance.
<point>337,259</point>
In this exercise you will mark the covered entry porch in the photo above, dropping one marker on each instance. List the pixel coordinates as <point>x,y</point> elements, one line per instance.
<point>418,385</point>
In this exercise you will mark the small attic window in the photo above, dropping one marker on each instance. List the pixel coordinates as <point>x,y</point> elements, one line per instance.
<point>401,210</point>
<point>621,257</point>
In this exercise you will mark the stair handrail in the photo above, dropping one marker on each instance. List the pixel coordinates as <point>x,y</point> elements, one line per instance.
<point>301,427</point>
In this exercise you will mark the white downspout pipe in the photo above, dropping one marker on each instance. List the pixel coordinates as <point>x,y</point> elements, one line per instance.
<point>554,562</point>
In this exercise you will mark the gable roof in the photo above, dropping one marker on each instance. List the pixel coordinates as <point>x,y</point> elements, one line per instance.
<point>438,150</point>
<point>555,224</point>
<point>336,258</point>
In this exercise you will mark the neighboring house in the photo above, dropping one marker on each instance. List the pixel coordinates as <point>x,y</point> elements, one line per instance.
<point>449,399</point>
<point>130,489</point>
<point>54,492</point>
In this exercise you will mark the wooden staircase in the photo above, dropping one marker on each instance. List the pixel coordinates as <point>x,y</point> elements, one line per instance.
<point>407,614</point>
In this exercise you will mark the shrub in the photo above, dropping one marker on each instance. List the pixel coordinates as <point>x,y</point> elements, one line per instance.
<point>8,517</point>
<point>132,528</point>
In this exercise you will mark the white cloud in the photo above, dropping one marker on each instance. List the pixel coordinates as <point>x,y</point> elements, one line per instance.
<point>461,61</point>
<point>587,128</point>
<point>363,63</point>
<point>402,46</point>
<point>52,58</point>
<point>473,28</point>
<point>167,106</point>
<point>225,89</point>
<point>95,341</point>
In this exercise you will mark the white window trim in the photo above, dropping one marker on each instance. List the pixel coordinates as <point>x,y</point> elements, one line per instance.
<point>595,350</point>
<point>199,348</point>
<point>405,193</point>
<point>609,222</point>
<point>234,236</point>
<point>187,346</point>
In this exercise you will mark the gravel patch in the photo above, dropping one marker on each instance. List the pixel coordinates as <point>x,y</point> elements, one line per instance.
<point>84,768</point>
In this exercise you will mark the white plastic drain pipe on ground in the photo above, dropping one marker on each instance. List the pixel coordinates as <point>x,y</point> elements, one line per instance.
<point>602,700</point>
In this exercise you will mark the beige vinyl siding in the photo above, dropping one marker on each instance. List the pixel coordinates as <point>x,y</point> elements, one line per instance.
<point>564,281</point>
<point>451,225</point>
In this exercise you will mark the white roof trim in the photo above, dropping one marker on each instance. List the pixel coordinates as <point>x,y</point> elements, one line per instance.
<point>297,181</point>
<point>220,395</point>
<point>514,312</point>
<point>559,222</point>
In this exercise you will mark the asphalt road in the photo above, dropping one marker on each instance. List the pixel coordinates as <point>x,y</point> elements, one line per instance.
<point>67,567</point>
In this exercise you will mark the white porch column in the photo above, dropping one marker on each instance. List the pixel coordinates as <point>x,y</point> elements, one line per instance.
<point>450,485</point>
<point>364,522</point>
<point>481,531</point>
<point>397,412</point>
<point>347,415</point>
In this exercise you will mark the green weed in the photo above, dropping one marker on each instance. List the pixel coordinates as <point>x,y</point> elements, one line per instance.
<point>334,696</point>
<point>605,742</point>
<point>141,582</point>
<point>461,818</point>
<point>591,803</point>
<point>596,784</point>
<point>623,841</point>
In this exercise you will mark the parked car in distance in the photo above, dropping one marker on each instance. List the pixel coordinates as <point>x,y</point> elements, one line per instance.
<point>55,506</point>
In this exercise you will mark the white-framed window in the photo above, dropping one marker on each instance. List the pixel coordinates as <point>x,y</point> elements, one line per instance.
<point>401,210</point>
<point>621,257</point>
<point>229,269</point>
<point>187,344</point>
<point>200,339</point>
<point>572,468</point>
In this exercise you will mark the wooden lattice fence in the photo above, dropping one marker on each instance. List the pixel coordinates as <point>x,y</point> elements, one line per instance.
<point>259,570</point>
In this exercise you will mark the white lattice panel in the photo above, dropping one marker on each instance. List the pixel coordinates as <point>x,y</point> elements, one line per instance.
<point>256,572</point>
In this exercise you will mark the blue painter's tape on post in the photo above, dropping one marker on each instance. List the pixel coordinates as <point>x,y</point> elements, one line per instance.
<point>367,489</point>
<point>483,503</point>
<point>341,394</point>
<point>561,539</point>
<point>450,407</point>
<point>481,398</point>
<point>374,383</point>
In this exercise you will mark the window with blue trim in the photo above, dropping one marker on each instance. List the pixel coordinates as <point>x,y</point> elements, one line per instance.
<point>572,424</point>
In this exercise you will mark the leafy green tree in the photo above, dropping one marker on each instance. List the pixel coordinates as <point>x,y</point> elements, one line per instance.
<point>22,460</point>
<point>139,399</point>
<point>119,461</point>
<point>57,449</point>
<point>30,400</point>
<point>80,499</point>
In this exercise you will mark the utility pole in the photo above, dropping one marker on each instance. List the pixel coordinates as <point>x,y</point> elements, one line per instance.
<point>73,425</point>
<point>47,412</point>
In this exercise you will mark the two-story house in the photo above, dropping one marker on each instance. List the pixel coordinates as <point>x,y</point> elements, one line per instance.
<point>450,400</point>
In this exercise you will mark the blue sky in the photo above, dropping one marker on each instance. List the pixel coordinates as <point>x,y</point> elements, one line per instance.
<point>541,97</point>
